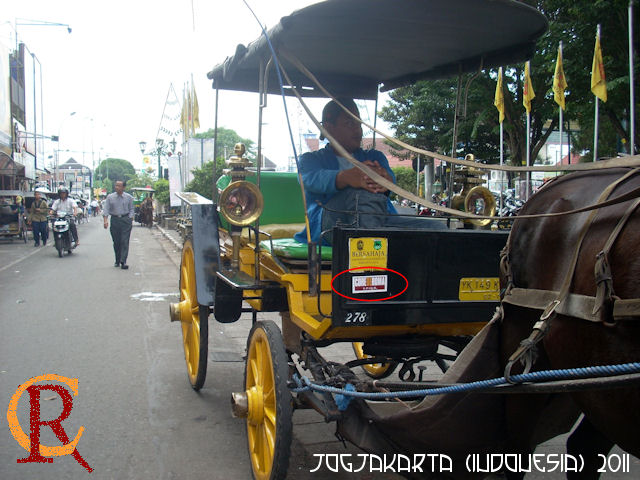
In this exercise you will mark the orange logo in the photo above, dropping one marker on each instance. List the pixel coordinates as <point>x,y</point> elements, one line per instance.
<point>31,443</point>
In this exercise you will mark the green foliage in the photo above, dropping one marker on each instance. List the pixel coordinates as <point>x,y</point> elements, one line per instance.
<point>115,169</point>
<point>227,139</point>
<point>162,191</point>
<point>202,182</point>
<point>422,114</point>
<point>141,180</point>
<point>405,179</point>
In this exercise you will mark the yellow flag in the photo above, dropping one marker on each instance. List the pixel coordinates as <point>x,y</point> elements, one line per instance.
<point>598,81</point>
<point>499,98</point>
<point>527,90</point>
<point>195,112</point>
<point>559,81</point>
<point>184,116</point>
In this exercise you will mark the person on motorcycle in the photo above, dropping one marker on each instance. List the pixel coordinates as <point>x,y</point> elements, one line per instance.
<point>66,204</point>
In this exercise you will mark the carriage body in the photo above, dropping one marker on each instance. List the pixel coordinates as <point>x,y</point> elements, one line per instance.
<point>442,282</point>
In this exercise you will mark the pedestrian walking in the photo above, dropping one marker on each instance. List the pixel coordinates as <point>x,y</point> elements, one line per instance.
<point>38,219</point>
<point>120,206</point>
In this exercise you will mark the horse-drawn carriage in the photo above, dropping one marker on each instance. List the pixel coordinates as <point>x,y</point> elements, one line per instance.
<point>401,296</point>
<point>12,215</point>
<point>143,205</point>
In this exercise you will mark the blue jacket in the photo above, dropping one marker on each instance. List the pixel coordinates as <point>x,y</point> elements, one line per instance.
<point>319,170</point>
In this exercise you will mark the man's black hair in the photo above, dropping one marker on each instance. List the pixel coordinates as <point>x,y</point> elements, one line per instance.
<point>332,110</point>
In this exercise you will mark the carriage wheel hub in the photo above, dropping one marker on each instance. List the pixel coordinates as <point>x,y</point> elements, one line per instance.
<point>255,400</point>
<point>180,312</point>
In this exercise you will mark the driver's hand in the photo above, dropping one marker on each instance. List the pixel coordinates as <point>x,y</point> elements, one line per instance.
<point>376,167</point>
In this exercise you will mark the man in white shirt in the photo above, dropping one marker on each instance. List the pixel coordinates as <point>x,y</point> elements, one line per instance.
<point>119,205</point>
<point>68,205</point>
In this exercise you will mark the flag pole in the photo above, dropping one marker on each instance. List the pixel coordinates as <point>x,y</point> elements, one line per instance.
<point>528,154</point>
<point>632,117</point>
<point>560,114</point>
<point>501,163</point>
<point>499,104</point>
<point>595,122</point>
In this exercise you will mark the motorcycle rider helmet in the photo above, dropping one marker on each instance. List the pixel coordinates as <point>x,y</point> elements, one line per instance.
<point>62,190</point>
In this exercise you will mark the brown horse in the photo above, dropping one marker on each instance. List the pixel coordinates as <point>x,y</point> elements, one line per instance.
<point>540,252</point>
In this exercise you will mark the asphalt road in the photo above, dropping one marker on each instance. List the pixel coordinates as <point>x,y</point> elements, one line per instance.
<point>79,317</point>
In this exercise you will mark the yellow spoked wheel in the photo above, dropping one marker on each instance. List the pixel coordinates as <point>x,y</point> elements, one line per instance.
<point>269,402</point>
<point>373,370</point>
<point>194,319</point>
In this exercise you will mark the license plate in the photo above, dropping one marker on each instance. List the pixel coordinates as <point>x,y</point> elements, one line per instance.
<point>479,289</point>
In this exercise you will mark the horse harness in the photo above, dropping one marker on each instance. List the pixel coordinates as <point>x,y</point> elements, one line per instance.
<point>605,307</point>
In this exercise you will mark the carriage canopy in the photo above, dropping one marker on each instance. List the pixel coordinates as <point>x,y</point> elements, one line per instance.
<point>356,46</point>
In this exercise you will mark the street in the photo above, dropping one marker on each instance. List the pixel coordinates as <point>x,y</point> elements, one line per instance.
<point>79,317</point>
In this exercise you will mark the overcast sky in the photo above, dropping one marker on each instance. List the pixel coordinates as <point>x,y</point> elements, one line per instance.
<point>115,68</point>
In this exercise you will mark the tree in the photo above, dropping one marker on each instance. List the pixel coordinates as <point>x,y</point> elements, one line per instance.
<point>227,139</point>
<point>143,179</point>
<point>422,114</point>
<point>162,191</point>
<point>405,179</point>
<point>202,182</point>
<point>115,169</point>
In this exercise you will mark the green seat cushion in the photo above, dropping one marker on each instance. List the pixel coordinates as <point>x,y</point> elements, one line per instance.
<point>290,248</point>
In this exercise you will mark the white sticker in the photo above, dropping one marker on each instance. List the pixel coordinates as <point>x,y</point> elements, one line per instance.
<point>369,284</point>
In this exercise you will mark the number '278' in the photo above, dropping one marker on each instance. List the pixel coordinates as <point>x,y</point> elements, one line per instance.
<point>356,317</point>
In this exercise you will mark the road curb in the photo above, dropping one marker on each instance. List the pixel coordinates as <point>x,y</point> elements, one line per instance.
<point>171,243</point>
<point>170,237</point>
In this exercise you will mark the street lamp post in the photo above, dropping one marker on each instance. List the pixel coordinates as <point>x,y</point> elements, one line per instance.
<point>160,150</point>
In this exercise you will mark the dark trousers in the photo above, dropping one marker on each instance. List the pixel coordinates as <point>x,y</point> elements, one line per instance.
<point>120,231</point>
<point>40,231</point>
<point>74,230</point>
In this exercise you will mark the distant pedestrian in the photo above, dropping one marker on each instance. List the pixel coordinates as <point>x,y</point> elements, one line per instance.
<point>120,206</point>
<point>94,207</point>
<point>38,219</point>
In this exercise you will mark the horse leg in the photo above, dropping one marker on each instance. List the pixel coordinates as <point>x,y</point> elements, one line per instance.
<point>589,442</point>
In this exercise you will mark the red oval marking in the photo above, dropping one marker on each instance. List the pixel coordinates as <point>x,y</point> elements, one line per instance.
<point>372,299</point>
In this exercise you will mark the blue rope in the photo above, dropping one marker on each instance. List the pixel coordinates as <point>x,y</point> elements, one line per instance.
<point>304,384</point>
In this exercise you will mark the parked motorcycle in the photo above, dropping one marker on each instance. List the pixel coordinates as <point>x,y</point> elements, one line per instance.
<point>510,207</point>
<point>62,233</point>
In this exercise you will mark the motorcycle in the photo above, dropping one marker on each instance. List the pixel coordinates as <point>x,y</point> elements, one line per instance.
<point>62,233</point>
<point>510,207</point>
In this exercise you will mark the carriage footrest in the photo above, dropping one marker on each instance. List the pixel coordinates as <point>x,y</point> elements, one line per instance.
<point>240,280</point>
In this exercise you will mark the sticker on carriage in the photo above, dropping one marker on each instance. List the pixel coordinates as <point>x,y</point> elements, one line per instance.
<point>368,252</point>
<point>479,289</point>
<point>369,284</point>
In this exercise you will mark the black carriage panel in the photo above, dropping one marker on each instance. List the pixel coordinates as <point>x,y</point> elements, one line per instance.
<point>206,250</point>
<point>409,277</point>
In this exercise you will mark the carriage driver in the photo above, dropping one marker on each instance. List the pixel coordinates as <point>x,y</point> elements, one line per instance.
<point>351,197</point>
<point>66,204</point>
